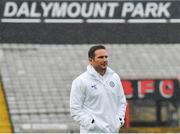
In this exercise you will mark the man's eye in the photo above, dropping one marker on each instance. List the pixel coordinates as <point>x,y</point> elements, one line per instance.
<point>101,57</point>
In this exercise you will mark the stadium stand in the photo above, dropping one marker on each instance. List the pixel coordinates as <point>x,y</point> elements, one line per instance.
<point>37,78</point>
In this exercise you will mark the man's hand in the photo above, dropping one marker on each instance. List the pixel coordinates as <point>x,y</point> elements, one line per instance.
<point>90,125</point>
<point>121,119</point>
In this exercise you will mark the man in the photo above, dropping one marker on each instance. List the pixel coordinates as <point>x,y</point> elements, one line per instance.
<point>97,100</point>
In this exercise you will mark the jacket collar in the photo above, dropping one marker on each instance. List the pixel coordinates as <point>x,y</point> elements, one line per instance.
<point>94,73</point>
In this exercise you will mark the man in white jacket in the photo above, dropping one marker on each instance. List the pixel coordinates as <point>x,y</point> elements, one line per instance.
<point>97,100</point>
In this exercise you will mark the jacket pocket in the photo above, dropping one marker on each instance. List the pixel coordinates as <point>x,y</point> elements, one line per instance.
<point>100,126</point>
<point>86,122</point>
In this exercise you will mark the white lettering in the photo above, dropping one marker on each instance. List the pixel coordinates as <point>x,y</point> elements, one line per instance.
<point>23,10</point>
<point>112,7</point>
<point>151,9</point>
<point>46,8</point>
<point>80,10</point>
<point>74,10</point>
<point>100,10</point>
<point>33,12</point>
<point>163,9</point>
<point>138,10</point>
<point>10,9</point>
<point>59,10</point>
<point>127,8</point>
<point>87,12</point>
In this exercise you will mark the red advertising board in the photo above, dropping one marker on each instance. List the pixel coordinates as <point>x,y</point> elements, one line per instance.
<point>157,89</point>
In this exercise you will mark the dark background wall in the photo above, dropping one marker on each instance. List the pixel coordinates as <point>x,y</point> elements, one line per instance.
<point>90,33</point>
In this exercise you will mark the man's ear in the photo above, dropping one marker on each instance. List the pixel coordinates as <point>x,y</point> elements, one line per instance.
<point>90,59</point>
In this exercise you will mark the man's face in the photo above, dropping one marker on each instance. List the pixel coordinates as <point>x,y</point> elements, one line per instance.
<point>100,61</point>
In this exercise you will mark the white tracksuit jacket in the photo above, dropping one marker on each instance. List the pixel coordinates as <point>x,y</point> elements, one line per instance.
<point>100,98</point>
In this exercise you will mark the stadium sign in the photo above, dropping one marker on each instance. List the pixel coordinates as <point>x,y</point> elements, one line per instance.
<point>89,21</point>
<point>31,11</point>
<point>157,89</point>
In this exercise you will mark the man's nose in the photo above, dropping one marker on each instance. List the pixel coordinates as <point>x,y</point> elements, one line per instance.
<point>105,59</point>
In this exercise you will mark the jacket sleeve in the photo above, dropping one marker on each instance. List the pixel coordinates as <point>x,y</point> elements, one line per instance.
<point>121,100</point>
<point>77,98</point>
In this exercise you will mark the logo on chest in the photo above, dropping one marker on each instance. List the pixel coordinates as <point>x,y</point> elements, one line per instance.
<point>94,86</point>
<point>111,84</point>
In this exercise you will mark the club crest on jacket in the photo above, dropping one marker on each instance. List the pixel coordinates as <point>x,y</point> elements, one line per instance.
<point>111,84</point>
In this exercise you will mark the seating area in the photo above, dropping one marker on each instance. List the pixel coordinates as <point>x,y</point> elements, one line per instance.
<point>37,78</point>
